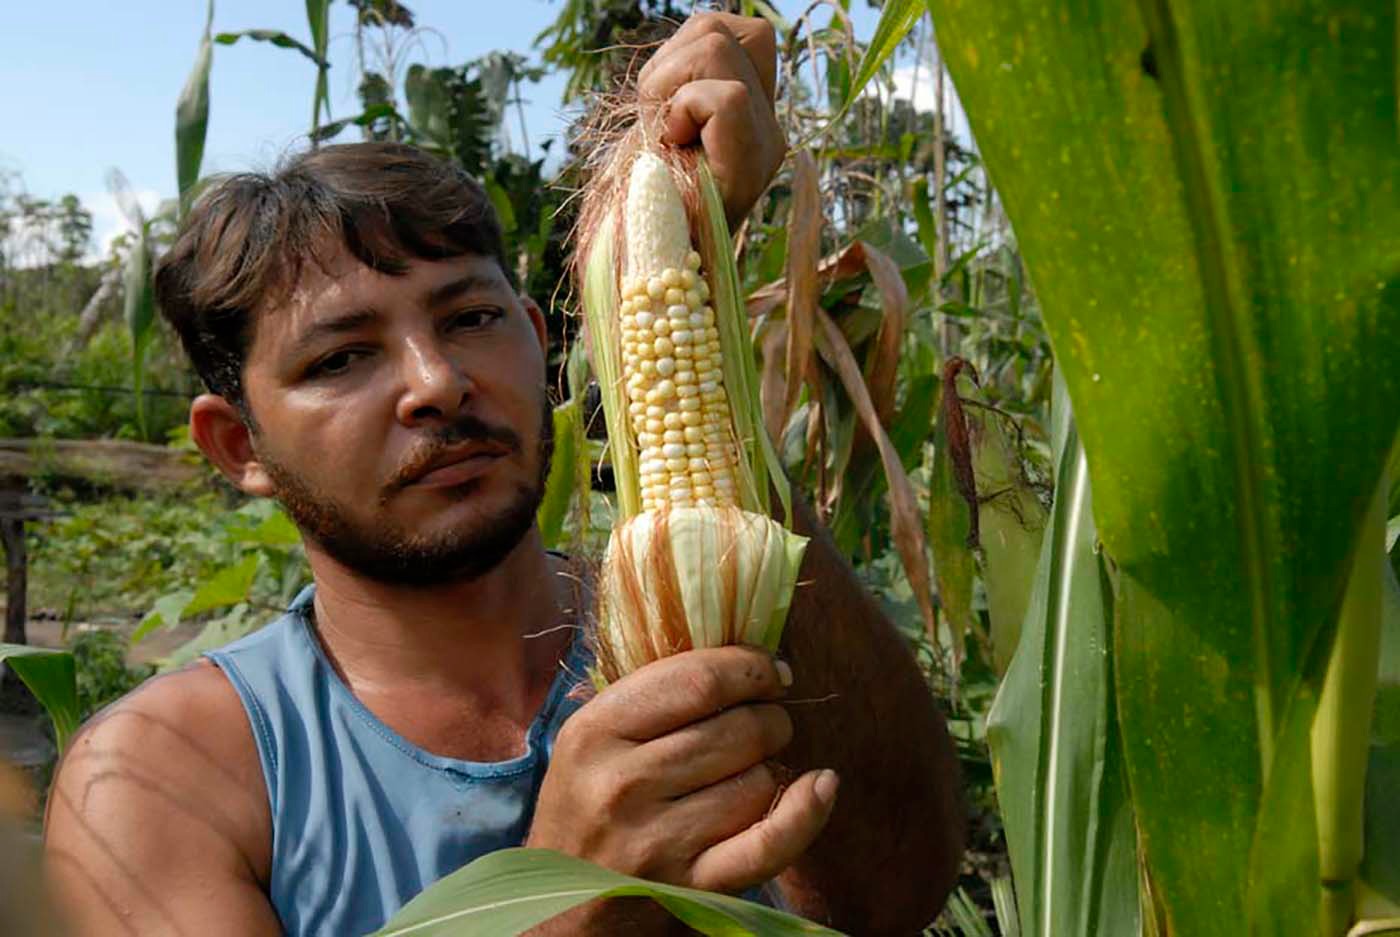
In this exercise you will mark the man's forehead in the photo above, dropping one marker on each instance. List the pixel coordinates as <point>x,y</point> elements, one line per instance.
<point>329,286</point>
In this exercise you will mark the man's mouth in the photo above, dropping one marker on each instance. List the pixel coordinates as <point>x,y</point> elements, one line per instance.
<point>455,466</point>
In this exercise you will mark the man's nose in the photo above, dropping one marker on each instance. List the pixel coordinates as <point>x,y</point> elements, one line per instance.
<point>435,385</point>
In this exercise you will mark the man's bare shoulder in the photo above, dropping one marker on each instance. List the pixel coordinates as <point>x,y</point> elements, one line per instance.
<point>162,787</point>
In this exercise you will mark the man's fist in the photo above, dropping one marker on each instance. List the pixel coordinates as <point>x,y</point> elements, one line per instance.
<point>664,775</point>
<point>715,81</point>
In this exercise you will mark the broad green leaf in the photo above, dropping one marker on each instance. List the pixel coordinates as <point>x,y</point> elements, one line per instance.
<point>274,37</point>
<point>510,891</point>
<point>1204,195</point>
<point>165,613</point>
<point>563,472</point>
<point>1053,733</point>
<point>228,586</point>
<point>53,679</point>
<point>192,115</point>
<point>276,530</point>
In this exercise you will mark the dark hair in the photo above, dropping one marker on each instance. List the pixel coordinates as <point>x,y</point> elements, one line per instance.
<point>248,234</point>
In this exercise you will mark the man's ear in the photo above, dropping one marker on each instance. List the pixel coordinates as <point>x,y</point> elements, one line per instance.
<point>218,429</point>
<point>532,309</point>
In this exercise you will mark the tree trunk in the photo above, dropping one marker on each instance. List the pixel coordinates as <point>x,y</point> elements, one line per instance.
<point>12,533</point>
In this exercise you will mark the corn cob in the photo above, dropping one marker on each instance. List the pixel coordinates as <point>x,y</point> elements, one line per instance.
<point>671,352</point>
<point>694,559</point>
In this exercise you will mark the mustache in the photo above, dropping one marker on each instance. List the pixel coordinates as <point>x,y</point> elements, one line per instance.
<point>466,428</point>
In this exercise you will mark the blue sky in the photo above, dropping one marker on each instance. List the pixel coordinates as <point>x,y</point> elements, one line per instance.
<point>93,84</point>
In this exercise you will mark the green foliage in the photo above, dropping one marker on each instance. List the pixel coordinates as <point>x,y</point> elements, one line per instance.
<point>103,675</point>
<point>1210,226</point>
<point>51,678</point>
<point>512,890</point>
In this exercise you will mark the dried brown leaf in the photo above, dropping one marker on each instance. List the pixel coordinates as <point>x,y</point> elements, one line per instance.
<point>803,288</point>
<point>772,383</point>
<point>882,366</point>
<point>905,521</point>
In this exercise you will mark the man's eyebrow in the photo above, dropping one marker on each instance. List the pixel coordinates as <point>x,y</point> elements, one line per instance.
<point>453,289</point>
<point>333,325</point>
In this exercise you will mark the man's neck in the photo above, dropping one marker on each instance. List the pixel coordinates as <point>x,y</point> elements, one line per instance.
<point>486,646</point>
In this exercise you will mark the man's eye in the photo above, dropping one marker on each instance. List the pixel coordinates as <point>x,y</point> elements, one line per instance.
<point>337,363</point>
<point>469,319</point>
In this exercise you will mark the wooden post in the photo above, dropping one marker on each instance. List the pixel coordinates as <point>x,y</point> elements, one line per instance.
<point>16,580</point>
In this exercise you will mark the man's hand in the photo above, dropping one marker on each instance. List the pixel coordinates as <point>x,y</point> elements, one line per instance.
<point>664,775</point>
<point>715,80</point>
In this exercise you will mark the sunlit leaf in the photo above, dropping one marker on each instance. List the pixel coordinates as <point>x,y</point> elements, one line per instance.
<point>228,586</point>
<point>1054,736</point>
<point>52,677</point>
<point>897,18</point>
<point>1204,195</point>
<point>509,891</point>
<point>563,472</point>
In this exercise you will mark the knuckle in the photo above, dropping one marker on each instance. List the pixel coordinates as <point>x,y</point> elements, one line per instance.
<point>734,94</point>
<point>716,42</point>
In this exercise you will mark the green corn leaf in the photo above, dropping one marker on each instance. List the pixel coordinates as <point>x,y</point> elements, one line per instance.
<point>510,891</point>
<point>318,21</point>
<point>273,37</point>
<point>563,472</point>
<point>949,523</point>
<point>1380,866</point>
<point>53,679</point>
<point>1054,738</point>
<point>140,311</point>
<point>1012,521</point>
<point>897,18</point>
<point>1204,195</point>
<point>192,116</point>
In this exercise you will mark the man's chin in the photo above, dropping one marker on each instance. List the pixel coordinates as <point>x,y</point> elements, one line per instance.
<point>443,549</point>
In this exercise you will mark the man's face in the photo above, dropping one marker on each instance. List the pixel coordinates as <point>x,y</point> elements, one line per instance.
<point>403,420</point>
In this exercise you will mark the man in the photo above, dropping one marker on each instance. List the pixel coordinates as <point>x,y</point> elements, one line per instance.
<point>371,367</point>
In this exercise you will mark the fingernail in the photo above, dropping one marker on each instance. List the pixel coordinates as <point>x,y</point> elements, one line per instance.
<point>827,784</point>
<point>784,672</point>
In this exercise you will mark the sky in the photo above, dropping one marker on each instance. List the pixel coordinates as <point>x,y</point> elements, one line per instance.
<point>94,84</point>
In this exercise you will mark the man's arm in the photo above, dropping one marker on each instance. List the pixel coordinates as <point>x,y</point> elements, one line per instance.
<point>157,822</point>
<point>889,854</point>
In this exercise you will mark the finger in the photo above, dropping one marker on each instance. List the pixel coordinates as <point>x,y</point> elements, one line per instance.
<point>766,848</point>
<point>741,137</point>
<point>704,753</point>
<point>675,691</point>
<point>752,38</point>
<point>725,809</point>
<point>713,55</point>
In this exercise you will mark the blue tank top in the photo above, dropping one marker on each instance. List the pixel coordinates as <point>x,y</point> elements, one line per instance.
<point>362,820</point>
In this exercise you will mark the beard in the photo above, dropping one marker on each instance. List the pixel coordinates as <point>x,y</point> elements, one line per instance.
<point>380,551</point>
